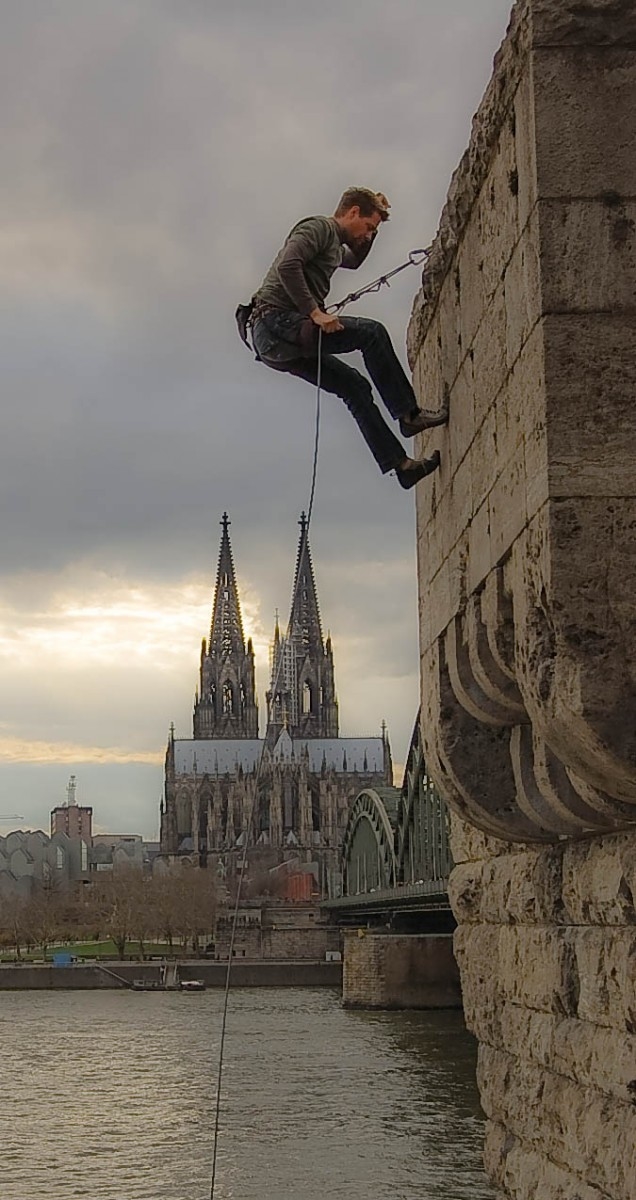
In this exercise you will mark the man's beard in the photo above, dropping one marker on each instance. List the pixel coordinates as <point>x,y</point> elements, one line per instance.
<point>354,243</point>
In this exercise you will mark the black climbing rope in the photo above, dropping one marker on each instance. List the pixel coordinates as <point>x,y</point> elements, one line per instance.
<point>250,823</point>
<point>415,258</point>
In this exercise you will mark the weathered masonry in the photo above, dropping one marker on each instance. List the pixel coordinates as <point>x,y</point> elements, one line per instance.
<point>527,569</point>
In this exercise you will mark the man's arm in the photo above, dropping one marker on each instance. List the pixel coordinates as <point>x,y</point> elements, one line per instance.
<point>299,249</point>
<point>353,258</point>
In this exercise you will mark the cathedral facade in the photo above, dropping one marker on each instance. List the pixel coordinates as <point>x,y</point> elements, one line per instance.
<point>289,791</point>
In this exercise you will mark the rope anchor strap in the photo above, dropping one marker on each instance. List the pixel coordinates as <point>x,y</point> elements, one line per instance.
<point>415,259</point>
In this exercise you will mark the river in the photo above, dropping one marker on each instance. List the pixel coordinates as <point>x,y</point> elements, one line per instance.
<point>110,1095</point>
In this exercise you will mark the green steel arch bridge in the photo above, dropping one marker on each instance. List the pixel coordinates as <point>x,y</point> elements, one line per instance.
<point>396,856</point>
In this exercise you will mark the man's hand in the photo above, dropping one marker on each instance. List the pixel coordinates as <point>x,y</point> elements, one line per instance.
<point>326,321</point>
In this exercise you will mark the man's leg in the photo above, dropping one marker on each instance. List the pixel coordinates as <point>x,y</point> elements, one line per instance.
<point>352,387</point>
<point>382,363</point>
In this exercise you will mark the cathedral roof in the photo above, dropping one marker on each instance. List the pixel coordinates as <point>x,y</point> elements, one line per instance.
<point>222,756</point>
<point>212,756</point>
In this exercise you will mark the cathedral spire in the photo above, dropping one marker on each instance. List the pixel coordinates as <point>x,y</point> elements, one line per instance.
<point>302,691</point>
<point>226,632</point>
<point>226,703</point>
<point>304,620</point>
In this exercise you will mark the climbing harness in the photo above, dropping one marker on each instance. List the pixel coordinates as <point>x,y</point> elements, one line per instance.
<point>250,823</point>
<point>244,317</point>
<point>245,313</point>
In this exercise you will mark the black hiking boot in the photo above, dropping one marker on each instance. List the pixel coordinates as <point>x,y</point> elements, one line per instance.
<point>421,419</point>
<point>418,469</point>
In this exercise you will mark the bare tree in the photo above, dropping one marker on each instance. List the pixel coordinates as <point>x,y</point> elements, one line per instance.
<point>186,904</point>
<point>143,918</point>
<point>42,916</point>
<point>164,899</point>
<point>13,923</point>
<point>204,905</point>
<point>118,903</point>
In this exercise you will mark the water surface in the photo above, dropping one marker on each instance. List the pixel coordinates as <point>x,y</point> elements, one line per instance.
<point>111,1095</point>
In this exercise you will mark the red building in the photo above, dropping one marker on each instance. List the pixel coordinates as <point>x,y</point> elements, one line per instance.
<point>75,820</point>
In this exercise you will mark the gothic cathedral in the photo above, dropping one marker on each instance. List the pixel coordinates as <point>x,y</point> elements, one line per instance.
<point>289,792</point>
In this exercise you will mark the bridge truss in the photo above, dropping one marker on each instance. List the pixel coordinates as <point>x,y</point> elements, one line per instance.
<point>396,853</point>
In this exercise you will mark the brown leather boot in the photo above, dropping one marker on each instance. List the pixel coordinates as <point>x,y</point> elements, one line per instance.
<point>421,419</point>
<point>417,469</point>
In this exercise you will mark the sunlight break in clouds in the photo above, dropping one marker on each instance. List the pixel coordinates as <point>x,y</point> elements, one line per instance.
<point>21,750</point>
<point>108,621</point>
<point>93,670</point>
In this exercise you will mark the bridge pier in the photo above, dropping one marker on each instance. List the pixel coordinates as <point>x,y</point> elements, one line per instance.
<point>526,321</point>
<point>387,970</point>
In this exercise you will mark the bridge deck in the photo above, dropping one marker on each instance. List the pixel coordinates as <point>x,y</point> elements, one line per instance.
<point>428,894</point>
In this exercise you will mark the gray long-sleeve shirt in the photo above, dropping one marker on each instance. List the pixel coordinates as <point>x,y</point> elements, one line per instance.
<point>300,276</point>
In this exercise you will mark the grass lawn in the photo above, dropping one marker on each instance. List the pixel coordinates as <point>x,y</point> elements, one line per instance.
<point>94,950</point>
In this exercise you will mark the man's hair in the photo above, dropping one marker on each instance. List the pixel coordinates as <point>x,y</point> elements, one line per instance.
<point>367,201</point>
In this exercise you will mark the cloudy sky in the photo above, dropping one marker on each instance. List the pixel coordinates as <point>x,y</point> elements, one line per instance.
<point>154,154</point>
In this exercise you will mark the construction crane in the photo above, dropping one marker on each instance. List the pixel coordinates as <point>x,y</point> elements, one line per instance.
<point>12,817</point>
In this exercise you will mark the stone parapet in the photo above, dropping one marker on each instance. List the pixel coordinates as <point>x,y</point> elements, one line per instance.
<point>526,321</point>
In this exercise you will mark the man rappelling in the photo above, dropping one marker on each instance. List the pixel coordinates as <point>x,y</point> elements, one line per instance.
<point>291,329</point>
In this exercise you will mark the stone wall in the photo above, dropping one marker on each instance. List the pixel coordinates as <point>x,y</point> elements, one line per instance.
<point>277,931</point>
<point>244,974</point>
<point>527,535</point>
<point>547,951</point>
<point>526,322</point>
<point>399,971</point>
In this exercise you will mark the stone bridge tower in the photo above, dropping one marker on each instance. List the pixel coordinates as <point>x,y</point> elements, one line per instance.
<point>225,704</point>
<point>527,573</point>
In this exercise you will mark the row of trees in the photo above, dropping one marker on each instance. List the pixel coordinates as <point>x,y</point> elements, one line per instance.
<point>177,906</point>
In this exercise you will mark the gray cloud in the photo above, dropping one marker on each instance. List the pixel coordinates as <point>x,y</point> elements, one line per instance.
<point>154,155</point>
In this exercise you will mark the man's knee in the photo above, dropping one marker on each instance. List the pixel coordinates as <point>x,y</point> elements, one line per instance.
<point>357,395</point>
<point>374,331</point>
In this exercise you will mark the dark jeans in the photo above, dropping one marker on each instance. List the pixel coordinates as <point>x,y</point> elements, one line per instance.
<point>287,343</point>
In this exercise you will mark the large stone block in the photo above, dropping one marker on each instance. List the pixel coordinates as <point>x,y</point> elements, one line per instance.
<point>521,280</point>
<point>599,882</point>
<point>606,971</point>
<point>590,367</point>
<point>470,844</point>
<point>588,251</point>
<point>562,1121</point>
<point>496,216</point>
<point>538,969</point>
<point>525,1171</point>
<point>585,122</point>
<point>488,359</point>
<point>593,23</point>
<point>593,1057</point>
<point>510,889</point>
